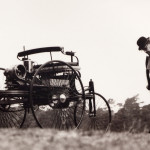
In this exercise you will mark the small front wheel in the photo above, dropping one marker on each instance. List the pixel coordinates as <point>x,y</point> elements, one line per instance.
<point>97,114</point>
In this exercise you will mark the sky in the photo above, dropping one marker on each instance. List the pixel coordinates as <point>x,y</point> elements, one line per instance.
<point>103,33</point>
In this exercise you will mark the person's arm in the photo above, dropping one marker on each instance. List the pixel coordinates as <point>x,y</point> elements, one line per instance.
<point>147,73</point>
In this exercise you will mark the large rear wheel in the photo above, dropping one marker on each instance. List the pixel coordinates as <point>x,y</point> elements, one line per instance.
<point>54,90</point>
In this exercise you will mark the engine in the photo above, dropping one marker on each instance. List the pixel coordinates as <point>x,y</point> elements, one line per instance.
<point>15,76</point>
<point>16,72</point>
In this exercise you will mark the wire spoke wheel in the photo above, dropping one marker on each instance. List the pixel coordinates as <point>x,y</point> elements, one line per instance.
<point>12,110</point>
<point>11,115</point>
<point>101,119</point>
<point>54,90</point>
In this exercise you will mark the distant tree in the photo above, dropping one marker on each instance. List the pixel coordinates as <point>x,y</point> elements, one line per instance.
<point>125,118</point>
<point>119,119</point>
<point>145,117</point>
<point>111,101</point>
<point>120,105</point>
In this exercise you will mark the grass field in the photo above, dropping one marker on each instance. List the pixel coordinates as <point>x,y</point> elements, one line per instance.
<point>47,139</point>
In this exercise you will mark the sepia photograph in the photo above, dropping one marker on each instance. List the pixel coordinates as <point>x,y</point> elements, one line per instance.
<point>74,74</point>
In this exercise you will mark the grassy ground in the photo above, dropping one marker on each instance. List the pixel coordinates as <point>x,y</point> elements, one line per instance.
<point>47,139</point>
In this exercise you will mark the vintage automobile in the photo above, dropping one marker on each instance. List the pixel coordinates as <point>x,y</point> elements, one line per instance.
<point>52,92</point>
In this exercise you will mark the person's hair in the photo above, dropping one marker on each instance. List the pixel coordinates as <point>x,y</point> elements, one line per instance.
<point>141,42</point>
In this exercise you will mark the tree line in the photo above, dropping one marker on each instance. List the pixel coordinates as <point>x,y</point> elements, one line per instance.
<point>131,117</point>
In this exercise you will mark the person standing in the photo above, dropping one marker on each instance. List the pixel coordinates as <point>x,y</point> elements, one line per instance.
<point>144,45</point>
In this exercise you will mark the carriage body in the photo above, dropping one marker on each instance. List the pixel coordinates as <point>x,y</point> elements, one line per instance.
<point>55,87</point>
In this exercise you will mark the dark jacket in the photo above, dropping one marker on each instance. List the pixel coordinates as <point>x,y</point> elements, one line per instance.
<point>147,72</point>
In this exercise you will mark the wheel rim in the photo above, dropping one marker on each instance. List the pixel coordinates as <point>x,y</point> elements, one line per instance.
<point>60,97</point>
<point>101,120</point>
<point>11,115</point>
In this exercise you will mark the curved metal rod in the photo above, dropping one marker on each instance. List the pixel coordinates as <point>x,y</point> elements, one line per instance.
<point>39,50</point>
<point>2,68</point>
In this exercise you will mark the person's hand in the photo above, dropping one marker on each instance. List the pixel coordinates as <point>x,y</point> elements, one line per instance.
<point>148,87</point>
